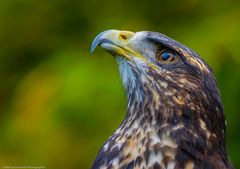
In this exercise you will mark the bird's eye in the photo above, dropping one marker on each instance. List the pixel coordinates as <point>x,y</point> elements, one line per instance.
<point>167,56</point>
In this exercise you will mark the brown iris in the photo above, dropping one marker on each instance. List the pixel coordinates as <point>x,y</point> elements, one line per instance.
<point>167,56</point>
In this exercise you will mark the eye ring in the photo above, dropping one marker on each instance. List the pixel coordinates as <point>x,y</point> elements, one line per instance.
<point>167,56</point>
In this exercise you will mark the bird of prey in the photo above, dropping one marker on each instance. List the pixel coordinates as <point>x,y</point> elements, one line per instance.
<point>175,118</point>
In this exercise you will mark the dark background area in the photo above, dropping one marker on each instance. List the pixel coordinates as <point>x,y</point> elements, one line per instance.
<point>58,104</point>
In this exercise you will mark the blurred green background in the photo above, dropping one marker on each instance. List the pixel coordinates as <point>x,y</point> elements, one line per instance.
<point>58,104</point>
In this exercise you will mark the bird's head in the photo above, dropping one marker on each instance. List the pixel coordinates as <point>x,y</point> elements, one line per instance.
<point>151,62</point>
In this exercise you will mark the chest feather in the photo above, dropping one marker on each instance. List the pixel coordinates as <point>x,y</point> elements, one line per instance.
<point>140,148</point>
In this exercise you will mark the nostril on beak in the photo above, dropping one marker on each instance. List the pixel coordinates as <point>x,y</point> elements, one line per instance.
<point>123,36</point>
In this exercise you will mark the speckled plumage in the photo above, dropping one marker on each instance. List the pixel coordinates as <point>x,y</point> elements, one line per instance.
<point>174,119</point>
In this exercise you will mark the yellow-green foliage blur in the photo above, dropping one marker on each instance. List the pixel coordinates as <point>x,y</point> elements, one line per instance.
<point>59,103</point>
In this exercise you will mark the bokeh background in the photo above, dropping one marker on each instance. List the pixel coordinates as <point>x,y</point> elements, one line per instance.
<point>59,103</point>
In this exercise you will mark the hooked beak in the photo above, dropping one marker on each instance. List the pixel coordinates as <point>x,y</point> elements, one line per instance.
<point>114,42</point>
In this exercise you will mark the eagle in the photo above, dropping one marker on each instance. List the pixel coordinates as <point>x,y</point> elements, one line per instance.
<point>175,117</point>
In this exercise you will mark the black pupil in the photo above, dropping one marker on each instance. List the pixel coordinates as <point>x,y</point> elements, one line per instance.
<point>167,55</point>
